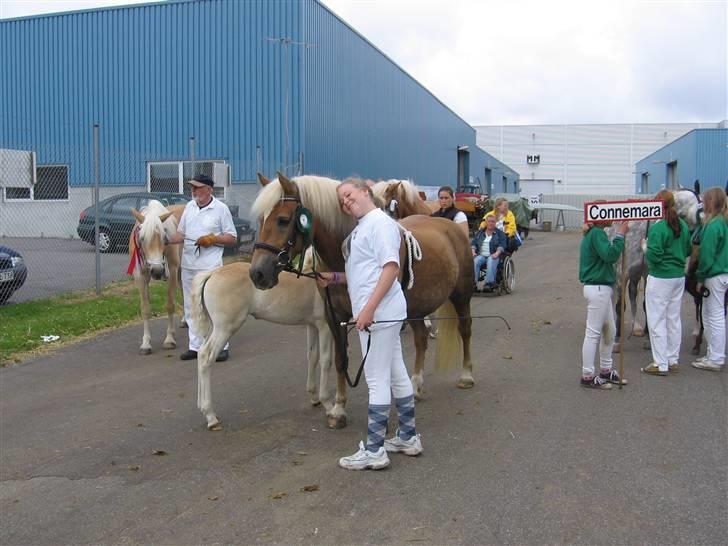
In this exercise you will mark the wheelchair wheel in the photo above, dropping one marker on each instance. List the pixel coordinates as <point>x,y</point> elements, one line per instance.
<point>509,275</point>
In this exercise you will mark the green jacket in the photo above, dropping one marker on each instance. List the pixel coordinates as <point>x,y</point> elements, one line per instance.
<point>666,254</point>
<point>713,250</point>
<point>597,257</point>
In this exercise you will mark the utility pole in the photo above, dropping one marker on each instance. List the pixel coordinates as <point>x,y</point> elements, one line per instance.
<point>286,42</point>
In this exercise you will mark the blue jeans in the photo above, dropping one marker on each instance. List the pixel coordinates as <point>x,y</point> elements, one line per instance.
<point>492,265</point>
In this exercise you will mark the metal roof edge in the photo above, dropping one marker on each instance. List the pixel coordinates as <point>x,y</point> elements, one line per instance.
<point>102,8</point>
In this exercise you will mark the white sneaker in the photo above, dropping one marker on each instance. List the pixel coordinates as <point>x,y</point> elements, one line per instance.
<point>410,447</point>
<point>705,365</point>
<point>364,459</point>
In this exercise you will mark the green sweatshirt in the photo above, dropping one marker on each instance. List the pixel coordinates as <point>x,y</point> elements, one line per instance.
<point>713,249</point>
<point>597,257</point>
<point>666,254</point>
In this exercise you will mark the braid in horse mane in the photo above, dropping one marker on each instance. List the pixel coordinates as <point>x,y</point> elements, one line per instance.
<point>673,220</point>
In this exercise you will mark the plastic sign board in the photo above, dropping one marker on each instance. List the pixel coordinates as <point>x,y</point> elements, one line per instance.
<point>623,211</point>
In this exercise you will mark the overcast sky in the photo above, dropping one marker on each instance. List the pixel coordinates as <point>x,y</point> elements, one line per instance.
<point>541,61</point>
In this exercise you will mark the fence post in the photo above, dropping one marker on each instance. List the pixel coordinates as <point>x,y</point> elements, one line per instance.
<point>97,177</point>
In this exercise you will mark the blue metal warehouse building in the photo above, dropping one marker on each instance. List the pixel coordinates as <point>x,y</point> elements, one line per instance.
<point>701,154</point>
<point>154,75</point>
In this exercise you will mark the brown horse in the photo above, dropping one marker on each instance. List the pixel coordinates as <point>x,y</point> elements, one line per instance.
<point>152,259</point>
<point>442,278</point>
<point>401,199</point>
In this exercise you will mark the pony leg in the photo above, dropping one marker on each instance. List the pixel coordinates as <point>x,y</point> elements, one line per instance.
<point>336,418</point>
<point>312,353</point>
<point>169,340</point>
<point>418,377</point>
<point>698,330</point>
<point>465,326</point>
<point>617,347</point>
<point>326,354</point>
<point>143,284</point>
<point>205,358</point>
<point>637,328</point>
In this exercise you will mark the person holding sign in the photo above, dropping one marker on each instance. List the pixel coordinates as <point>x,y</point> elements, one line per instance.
<point>668,246</point>
<point>712,276</point>
<point>597,256</point>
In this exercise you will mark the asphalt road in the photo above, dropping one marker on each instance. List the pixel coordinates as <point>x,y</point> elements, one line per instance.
<point>525,457</point>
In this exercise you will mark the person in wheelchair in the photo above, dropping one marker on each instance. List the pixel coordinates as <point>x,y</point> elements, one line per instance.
<point>506,222</point>
<point>488,246</point>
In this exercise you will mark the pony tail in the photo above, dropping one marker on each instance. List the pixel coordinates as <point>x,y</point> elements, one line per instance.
<point>673,220</point>
<point>671,217</point>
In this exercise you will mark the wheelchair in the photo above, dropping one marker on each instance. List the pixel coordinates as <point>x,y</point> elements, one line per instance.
<point>505,277</point>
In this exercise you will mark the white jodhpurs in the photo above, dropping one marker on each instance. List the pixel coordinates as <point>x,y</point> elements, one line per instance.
<point>663,298</point>
<point>600,329</point>
<point>716,327</point>
<point>384,368</point>
<point>195,339</point>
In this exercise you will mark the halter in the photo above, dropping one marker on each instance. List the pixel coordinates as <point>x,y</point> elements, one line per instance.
<point>393,209</point>
<point>140,258</point>
<point>302,226</point>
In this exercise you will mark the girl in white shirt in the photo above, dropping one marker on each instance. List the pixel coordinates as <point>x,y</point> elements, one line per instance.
<point>372,266</point>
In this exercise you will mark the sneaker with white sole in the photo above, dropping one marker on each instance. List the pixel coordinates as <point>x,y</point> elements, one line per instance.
<point>410,447</point>
<point>363,459</point>
<point>595,382</point>
<point>706,365</point>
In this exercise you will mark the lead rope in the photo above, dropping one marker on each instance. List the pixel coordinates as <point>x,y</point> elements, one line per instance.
<point>413,251</point>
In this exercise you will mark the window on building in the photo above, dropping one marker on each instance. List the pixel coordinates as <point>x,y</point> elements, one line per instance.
<point>172,176</point>
<point>51,184</point>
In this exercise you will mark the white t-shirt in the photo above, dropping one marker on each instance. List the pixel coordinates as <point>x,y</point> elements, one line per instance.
<point>460,218</point>
<point>196,222</point>
<point>485,246</point>
<point>374,243</point>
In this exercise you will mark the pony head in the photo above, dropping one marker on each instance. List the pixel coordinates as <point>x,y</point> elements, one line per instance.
<point>688,206</point>
<point>149,237</point>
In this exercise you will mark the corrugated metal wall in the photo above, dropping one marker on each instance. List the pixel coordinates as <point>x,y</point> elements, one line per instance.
<point>365,116</point>
<point>580,158</point>
<point>701,155</point>
<point>151,76</point>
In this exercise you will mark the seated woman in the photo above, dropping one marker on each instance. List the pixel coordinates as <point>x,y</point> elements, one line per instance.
<point>488,246</point>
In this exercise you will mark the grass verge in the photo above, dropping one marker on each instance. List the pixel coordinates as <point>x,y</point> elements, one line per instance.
<point>75,316</point>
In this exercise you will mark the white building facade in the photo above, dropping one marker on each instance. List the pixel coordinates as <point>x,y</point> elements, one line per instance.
<point>579,159</point>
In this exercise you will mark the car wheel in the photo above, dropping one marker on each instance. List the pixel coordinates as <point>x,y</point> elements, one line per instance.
<point>104,240</point>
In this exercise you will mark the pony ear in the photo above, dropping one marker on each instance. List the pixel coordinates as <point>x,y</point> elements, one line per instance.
<point>263,180</point>
<point>289,188</point>
<point>422,195</point>
<point>138,215</point>
<point>163,217</point>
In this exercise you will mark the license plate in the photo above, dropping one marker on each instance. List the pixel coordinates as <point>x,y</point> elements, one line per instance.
<point>7,276</point>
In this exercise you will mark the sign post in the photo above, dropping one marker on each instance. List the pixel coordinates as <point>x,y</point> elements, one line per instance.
<point>606,212</point>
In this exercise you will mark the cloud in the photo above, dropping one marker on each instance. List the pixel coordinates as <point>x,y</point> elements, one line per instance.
<point>559,61</point>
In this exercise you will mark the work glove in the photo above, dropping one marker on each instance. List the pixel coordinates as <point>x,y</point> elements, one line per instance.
<point>206,240</point>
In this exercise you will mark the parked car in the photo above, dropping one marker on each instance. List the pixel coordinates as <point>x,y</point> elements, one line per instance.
<point>116,221</point>
<point>12,272</point>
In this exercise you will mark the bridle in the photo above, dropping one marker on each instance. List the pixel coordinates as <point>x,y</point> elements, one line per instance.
<point>302,225</point>
<point>143,260</point>
<point>393,209</point>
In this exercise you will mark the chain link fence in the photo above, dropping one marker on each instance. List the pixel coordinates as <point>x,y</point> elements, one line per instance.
<point>48,239</point>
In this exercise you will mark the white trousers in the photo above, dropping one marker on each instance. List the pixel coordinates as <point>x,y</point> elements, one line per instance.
<point>716,328</point>
<point>195,339</point>
<point>663,298</point>
<point>384,368</point>
<point>600,328</point>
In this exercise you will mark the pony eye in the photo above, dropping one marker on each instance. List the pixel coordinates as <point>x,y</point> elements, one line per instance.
<point>283,221</point>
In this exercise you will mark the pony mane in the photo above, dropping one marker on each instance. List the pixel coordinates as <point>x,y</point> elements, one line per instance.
<point>318,195</point>
<point>407,190</point>
<point>686,205</point>
<point>152,224</point>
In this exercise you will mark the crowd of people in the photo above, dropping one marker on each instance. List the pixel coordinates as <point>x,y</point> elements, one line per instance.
<point>667,247</point>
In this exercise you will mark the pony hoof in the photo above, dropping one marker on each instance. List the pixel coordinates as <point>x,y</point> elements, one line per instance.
<point>336,422</point>
<point>183,324</point>
<point>145,351</point>
<point>465,383</point>
<point>214,427</point>
<point>419,396</point>
<point>617,348</point>
<point>638,332</point>
<point>170,345</point>
<point>315,403</point>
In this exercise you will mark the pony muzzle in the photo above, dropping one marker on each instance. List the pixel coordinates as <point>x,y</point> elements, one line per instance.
<point>264,271</point>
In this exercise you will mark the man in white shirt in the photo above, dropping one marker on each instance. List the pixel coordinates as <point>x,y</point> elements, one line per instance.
<point>205,228</point>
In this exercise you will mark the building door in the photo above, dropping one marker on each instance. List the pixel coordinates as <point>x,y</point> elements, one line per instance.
<point>645,183</point>
<point>672,175</point>
<point>489,181</point>
<point>463,167</point>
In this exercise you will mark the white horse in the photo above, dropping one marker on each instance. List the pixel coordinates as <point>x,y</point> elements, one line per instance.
<point>688,207</point>
<point>152,259</point>
<point>223,299</point>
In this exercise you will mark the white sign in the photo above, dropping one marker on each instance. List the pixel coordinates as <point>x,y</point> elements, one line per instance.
<point>534,199</point>
<point>622,211</point>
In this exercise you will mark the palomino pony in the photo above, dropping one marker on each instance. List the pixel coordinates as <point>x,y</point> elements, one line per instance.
<point>223,299</point>
<point>443,277</point>
<point>151,259</point>
<point>400,198</point>
<point>688,207</point>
